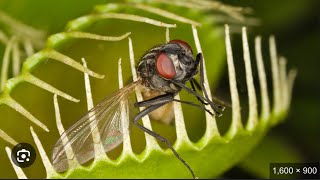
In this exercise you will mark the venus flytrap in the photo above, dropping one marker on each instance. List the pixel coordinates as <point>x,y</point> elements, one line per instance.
<point>68,150</point>
<point>28,35</point>
<point>5,63</point>
<point>111,7</point>
<point>19,172</point>
<point>211,155</point>
<point>57,39</point>
<point>9,101</point>
<point>16,62</point>
<point>46,161</point>
<point>265,107</point>
<point>7,138</point>
<point>127,149</point>
<point>253,112</point>
<point>232,11</point>
<point>84,21</point>
<point>27,77</point>
<point>275,75</point>
<point>98,146</point>
<point>14,35</point>
<point>236,124</point>
<point>211,125</point>
<point>233,132</point>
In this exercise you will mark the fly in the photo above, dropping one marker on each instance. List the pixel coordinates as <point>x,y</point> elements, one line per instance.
<point>165,69</point>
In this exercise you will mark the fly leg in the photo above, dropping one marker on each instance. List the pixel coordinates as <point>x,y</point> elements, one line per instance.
<point>166,98</point>
<point>200,58</point>
<point>194,89</point>
<point>213,105</point>
<point>198,86</point>
<point>157,136</point>
<point>193,81</point>
<point>193,104</point>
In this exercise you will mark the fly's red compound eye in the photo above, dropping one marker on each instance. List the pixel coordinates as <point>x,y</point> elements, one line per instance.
<point>165,66</point>
<point>183,43</point>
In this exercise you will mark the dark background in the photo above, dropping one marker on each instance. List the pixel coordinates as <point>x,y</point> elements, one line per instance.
<point>296,26</point>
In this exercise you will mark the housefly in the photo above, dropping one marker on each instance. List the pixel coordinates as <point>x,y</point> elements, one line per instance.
<point>164,70</point>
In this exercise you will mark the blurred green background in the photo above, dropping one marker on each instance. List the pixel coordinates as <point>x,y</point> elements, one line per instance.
<point>296,26</point>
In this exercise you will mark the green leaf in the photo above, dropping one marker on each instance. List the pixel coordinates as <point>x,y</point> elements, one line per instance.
<point>27,99</point>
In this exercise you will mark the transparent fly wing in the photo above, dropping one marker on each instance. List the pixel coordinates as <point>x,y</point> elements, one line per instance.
<point>106,116</point>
